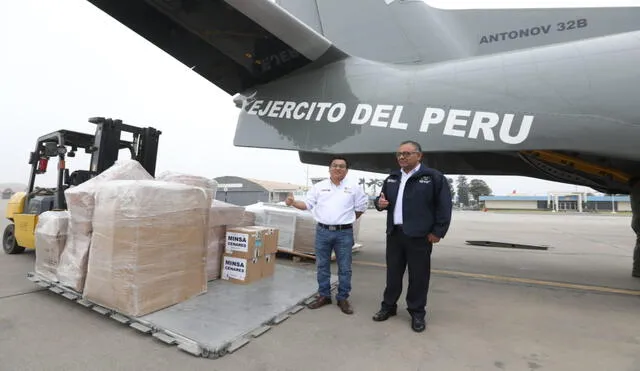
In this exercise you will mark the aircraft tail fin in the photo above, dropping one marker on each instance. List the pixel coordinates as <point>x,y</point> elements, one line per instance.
<point>235,44</point>
<point>411,31</point>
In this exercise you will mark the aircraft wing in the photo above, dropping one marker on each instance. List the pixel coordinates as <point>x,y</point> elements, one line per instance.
<point>235,44</point>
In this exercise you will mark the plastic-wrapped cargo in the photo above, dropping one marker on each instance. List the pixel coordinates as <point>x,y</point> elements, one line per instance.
<point>51,236</point>
<point>356,230</point>
<point>221,216</point>
<point>148,246</point>
<point>223,213</point>
<point>283,218</point>
<point>81,204</point>
<point>297,227</point>
<point>215,250</point>
<point>305,236</point>
<point>210,185</point>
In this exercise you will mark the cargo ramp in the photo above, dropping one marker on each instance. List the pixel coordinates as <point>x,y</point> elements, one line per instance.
<point>220,321</point>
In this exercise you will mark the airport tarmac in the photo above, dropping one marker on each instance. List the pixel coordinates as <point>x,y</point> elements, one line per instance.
<point>571,307</point>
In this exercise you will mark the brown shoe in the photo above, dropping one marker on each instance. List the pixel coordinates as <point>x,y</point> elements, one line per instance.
<point>345,306</point>
<point>319,302</point>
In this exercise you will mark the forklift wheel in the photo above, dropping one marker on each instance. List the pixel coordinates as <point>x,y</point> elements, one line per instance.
<point>9,243</point>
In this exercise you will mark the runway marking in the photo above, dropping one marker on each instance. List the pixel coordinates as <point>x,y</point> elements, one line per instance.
<point>520,280</point>
<point>21,293</point>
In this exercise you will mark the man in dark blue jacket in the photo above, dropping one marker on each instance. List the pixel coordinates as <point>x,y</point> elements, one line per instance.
<point>418,203</point>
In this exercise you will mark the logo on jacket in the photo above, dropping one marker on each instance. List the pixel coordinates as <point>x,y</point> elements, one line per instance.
<point>391,180</point>
<point>425,179</point>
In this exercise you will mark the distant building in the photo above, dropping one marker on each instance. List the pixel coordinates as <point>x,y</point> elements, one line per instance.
<point>245,191</point>
<point>560,202</point>
<point>7,193</point>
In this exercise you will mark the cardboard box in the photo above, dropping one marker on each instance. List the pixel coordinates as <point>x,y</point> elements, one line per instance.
<point>242,242</point>
<point>268,265</point>
<point>241,270</point>
<point>245,271</point>
<point>215,249</point>
<point>251,242</point>
<point>250,254</point>
<point>222,215</point>
<point>269,237</point>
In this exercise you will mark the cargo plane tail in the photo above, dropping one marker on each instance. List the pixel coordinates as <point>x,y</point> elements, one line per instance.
<point>412,31</point>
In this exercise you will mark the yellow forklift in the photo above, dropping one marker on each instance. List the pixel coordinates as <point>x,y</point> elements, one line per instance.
<point>104,147</point>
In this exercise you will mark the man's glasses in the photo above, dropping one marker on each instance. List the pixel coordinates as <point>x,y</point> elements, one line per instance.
<point>404,154</point>
<point>340,166</point>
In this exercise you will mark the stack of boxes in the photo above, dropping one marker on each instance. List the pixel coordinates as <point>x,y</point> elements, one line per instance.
<point>223,215</point>
<point>137,244</point>
<point>148,247</point>
<point>249,254</point>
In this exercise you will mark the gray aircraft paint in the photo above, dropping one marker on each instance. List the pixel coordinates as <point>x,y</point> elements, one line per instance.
<point>562,91</point>
<point>410,31</point>
<point>570,75</point>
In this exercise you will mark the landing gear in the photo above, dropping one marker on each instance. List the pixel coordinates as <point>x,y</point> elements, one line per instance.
<point>635,225</point>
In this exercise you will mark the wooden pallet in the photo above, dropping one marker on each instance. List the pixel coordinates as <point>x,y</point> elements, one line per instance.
<point>299,256</point>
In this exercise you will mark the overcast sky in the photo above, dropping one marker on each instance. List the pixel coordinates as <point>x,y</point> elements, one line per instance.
<point>64,61</point>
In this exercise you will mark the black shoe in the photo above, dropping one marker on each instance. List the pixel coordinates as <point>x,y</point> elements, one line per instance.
<point>383,315</point>
<point>417,324</point>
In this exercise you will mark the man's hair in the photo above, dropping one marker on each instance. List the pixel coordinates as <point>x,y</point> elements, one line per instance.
<point>415,144</point>
<point>339,158</point>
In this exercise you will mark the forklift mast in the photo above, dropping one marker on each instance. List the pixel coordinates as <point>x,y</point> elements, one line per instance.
<point>107,144</point>
<point>104,148</point>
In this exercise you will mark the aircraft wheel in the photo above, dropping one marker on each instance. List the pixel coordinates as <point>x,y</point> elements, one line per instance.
<point>9,243</point>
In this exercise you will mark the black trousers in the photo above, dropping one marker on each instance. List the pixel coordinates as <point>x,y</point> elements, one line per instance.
<point>415,253</point>
<point>635,225</point>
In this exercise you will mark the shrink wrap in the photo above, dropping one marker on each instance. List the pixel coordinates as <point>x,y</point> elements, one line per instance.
<point>297,228</point>
<point>305,236</point>
<point>210,185</point>
<point>51,236</point>
<point>211,234</point>
<point>222,215</point>
<point>148,249</point>
<point>81,204</point>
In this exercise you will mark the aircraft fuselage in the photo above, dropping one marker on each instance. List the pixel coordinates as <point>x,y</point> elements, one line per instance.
<point>578,98</point>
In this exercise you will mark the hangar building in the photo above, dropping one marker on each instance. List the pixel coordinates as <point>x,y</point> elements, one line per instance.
<point>245,191</point>
<point>558,202</point>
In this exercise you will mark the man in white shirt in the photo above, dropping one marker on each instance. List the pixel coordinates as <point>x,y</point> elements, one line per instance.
<point>335,205</point>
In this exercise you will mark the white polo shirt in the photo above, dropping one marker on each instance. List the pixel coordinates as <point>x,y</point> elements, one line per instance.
<point>336,204</point>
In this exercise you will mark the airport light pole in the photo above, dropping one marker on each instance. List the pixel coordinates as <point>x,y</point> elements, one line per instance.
<point>613,204</point>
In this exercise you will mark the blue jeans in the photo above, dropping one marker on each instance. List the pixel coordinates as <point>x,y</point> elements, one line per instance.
<point>342,242</point>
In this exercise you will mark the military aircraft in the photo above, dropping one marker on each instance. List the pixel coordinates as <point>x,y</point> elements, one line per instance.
<point>544,93</point>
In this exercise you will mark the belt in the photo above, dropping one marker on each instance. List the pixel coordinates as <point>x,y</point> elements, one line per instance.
<point>336,227</point>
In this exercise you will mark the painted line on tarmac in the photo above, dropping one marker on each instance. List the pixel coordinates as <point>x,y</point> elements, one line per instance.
<point>20,293</point>
<point>491,277</point>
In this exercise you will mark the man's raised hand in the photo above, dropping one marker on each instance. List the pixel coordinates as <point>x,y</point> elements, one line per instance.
<point>382,202</point>
<point>289,200</point>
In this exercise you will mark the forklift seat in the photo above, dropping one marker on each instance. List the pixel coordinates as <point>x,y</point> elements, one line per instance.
<point>78,177</point>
